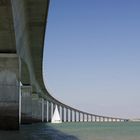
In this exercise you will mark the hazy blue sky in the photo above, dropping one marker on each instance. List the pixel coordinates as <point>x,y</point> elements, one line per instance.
<point>92,55</point>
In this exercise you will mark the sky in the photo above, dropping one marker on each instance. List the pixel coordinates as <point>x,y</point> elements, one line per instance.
<point>92,55</point>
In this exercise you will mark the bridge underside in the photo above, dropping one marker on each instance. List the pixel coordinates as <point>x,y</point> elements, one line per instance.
<point>23,96</point>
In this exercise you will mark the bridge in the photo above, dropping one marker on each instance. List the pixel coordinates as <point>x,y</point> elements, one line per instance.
<point>23,96</point>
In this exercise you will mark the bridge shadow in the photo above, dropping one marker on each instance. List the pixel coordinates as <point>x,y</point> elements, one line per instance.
<point>48,132</point>
<point>36,132</point>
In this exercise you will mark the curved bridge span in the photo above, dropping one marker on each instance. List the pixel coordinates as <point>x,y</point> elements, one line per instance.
<point>23,96</point>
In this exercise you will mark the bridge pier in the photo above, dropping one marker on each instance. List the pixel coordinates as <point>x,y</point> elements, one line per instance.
<point>37,108</point>
<point>75,116</point>
<point>42,109</point>
<point>86,117</point>
<point>49,111</point>
<point>107,119</point>
<point>63,114</point>
<point>83,117</point>
<point>45,111</point>
<point>91,118</point>
<point>95,118</point>
<point>53,108</point>
<point>79,119</point>
<point>26,104</point>
<point>67,115</point>
<point>70,115</point>
<point>9,91</point>
<point>58,108</point>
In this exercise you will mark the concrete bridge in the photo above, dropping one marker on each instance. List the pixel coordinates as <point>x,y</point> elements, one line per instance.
<point>23,95</point>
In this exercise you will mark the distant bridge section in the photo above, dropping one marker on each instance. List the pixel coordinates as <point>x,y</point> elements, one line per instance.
<point>23,95</point>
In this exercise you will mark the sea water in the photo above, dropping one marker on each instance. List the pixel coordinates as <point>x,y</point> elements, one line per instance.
<point>75,131</point>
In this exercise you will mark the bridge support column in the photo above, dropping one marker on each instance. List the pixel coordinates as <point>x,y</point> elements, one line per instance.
<point>45,111</point>
<point>63,114</point>
<point>79,116</point>
<point>49,111</point>
<point>53,108</point>
<point>26,104</point>
<point>42,109</point>
<point>9,91</point>
<point>91,118</point>
<point>70,115</point>
<point>75,116</point>
<point>67,115</point>
<point>87,117</point>
<point>37,108</point>
<point>107,119</point>
<point>95,118</point>
<point>59,110</point>
<point>83,117</point>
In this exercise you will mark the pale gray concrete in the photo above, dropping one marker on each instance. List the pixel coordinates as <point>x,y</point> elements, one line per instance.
<point>49,111</point>
<point>36,113</point>
<point>75,119</point>
<point>41,102</point>
<point>22,29</point>
<point>37,108</point>
<point>67,115</point>
<point>29,22</point>
<point>45,111</point>
<point>9,91</point>
<point>26,104</point>
<point>63,118</point>
<point>71,116</point>
<point>79,119</point>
